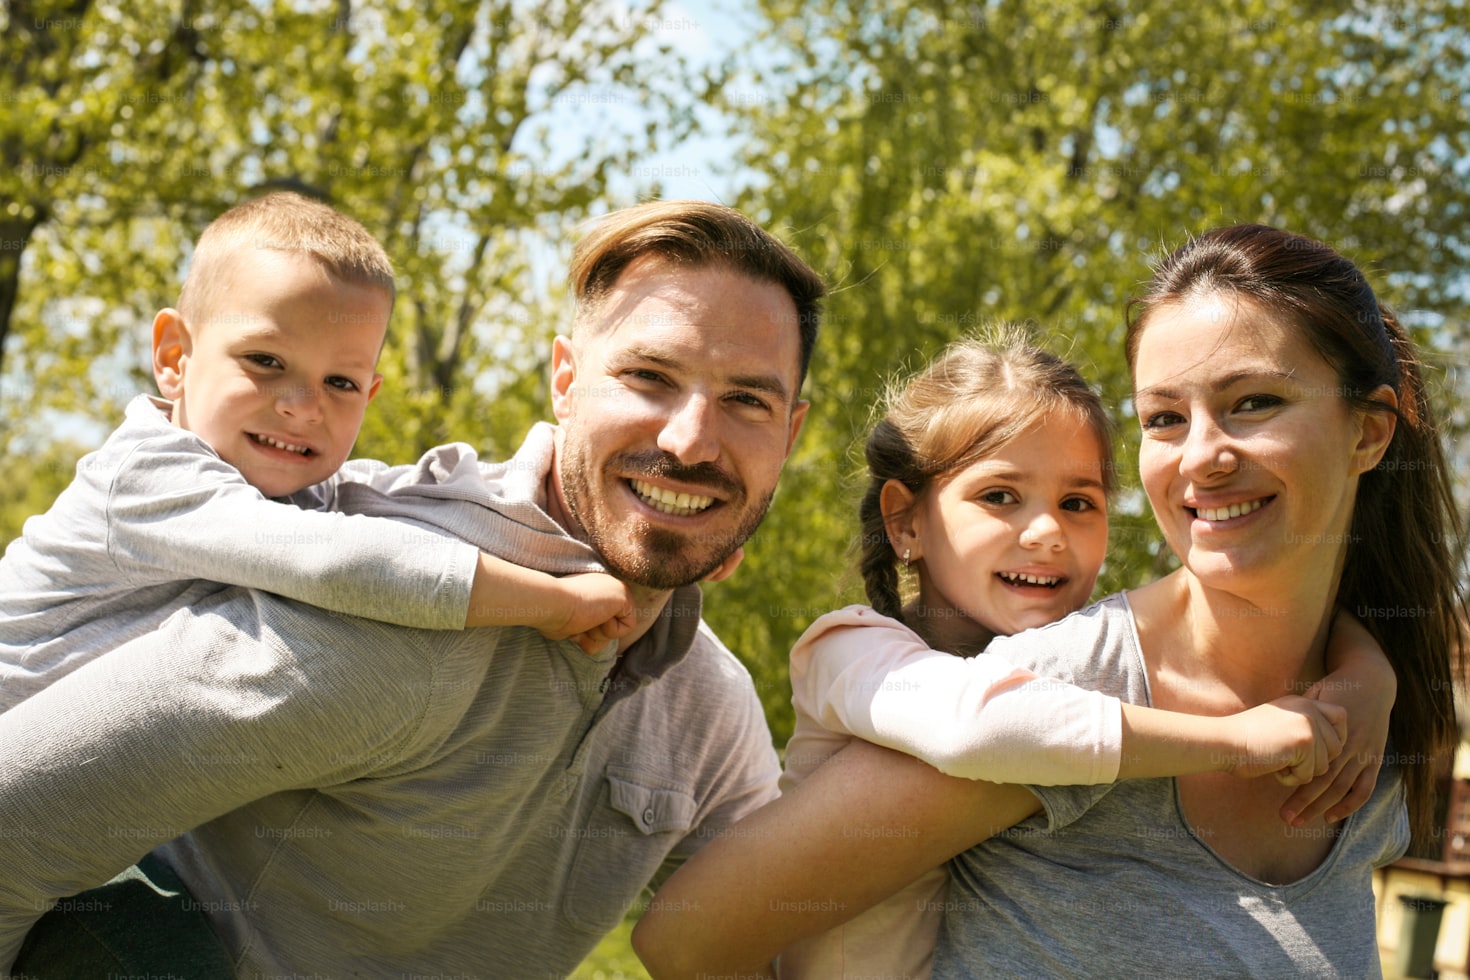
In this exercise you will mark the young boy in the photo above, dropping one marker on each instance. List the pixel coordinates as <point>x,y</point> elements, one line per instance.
<point>267,365</point>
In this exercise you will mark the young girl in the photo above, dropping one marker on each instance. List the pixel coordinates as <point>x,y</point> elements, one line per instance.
<point>988,482</point>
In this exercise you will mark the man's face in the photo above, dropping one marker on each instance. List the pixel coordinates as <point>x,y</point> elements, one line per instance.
<point>678,404</point>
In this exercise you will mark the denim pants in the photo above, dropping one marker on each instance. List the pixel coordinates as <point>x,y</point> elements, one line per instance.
<point>141,923</point>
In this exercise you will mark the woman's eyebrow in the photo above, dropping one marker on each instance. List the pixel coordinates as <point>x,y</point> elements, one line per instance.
<point>1216,384</point>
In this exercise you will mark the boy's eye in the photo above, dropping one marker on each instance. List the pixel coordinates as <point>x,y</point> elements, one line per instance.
<point>264,360</point>
<point>341,383</point>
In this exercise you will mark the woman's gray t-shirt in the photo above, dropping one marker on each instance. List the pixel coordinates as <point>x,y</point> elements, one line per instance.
<point>1110,881</point>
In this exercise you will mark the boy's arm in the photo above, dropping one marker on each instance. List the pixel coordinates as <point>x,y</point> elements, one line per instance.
<point>169,731</point>
<point>592,603</point>
<point>175,510</point>
<point>1362,681</point>
<point>984,718</point>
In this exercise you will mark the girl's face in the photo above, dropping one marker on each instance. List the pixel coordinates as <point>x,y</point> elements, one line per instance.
<point>1016,539</point>
<point>1250,454</point>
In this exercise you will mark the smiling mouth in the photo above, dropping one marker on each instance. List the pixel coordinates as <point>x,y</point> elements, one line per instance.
<point>1044,581</point>
<point>1226,513</point>
<point>278,444</point>
<point>669,501</point>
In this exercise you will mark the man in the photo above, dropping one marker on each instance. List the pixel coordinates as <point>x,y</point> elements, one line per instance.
<point>356,798</point>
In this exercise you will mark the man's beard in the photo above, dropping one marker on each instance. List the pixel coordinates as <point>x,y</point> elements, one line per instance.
<point>640,553</point>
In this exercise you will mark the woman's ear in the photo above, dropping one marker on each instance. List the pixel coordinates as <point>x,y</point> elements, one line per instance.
<point>171,347</point>
<point>901,519</point>
<point>1375,429</point>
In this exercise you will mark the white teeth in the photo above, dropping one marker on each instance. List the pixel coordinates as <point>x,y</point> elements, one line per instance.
<point>669,501</point>
<point>1225,513</point>
<point>1016,578</point>
<point>278,444</point>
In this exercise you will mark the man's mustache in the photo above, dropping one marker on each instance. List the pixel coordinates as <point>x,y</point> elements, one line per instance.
<point>655,464</point>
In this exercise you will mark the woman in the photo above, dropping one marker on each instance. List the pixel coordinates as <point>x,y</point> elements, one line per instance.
<point>1292,462</point>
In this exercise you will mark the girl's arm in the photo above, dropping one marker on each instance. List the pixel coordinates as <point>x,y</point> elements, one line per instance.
<point>1362,681</point>
<point>859,673</point>
<point>861,827</point>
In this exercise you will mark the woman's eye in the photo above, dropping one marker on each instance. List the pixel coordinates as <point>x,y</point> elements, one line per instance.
<point>1258,403</point>
<point>1161,420</point>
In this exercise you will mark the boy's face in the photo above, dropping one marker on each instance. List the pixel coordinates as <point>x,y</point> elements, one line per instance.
<point>277,372</point>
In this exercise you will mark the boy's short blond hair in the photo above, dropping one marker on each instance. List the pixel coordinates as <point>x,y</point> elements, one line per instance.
<point>284,222</point>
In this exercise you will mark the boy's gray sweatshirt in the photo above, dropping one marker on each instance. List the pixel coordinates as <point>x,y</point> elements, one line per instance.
<point>155,520</point>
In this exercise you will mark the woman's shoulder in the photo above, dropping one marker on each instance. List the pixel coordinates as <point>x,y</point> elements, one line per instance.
<point>1095,647</point>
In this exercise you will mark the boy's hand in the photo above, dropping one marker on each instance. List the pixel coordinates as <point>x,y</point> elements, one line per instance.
<point>598,610</point>
<point>1294,738</point>
<point>1363,681</point>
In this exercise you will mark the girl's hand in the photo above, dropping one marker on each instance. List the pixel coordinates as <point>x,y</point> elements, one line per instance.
<point>1294,738</point>
<point>1363,681</point>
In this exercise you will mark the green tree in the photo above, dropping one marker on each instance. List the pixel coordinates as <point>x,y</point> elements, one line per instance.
<point>129,126</point>
<point>953,164</point>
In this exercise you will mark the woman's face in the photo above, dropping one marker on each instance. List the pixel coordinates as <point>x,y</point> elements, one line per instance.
<point>1250,455</point>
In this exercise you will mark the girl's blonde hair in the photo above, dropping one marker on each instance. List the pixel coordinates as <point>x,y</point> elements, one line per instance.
<point>976,396</point>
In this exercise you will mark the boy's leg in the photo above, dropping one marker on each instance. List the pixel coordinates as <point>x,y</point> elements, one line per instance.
<point>141,923</point>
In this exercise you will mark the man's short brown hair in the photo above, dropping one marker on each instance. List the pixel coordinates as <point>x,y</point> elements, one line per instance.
<point>694,234</point>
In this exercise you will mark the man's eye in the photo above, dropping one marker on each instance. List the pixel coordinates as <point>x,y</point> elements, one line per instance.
<point>746,398</point>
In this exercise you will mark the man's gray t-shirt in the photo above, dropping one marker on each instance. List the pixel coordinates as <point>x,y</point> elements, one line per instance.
<point>1110,881</point>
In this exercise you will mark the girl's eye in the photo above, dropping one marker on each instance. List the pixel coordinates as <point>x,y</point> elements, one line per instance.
<point>341,383</point>
<point>264,360</point>
<point>998,498</point>
<point>1078,504</point>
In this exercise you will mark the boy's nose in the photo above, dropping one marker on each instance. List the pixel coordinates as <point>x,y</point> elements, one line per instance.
<point>300,402</point>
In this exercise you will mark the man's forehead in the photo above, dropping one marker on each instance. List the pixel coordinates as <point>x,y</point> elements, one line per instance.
<point>658,310</point>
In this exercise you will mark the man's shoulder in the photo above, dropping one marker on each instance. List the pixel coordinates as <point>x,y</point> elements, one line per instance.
<point>712,661</point>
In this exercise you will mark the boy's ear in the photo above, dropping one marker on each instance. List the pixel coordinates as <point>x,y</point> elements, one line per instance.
<point>373,388</point>
<point>171,347</point>
<point>901,519</point>
<point>563,377</point>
